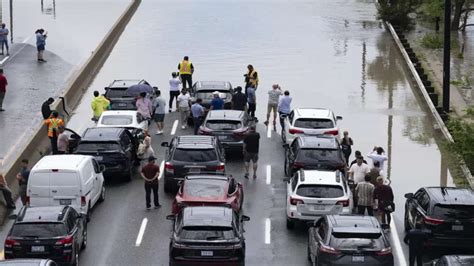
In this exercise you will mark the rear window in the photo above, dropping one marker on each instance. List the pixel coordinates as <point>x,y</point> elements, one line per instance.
<point>313,123</point>
<point>194,155</point>
<point>223,124</point>
<point>320,191</point>
<point>98,146</point>
<point>117,93</point>
<point>208,95</point>
<point>205,188</point>
<point>357,241</point>
<point>114,120</point>
<point>39,230</point>
<point>453,211</point>
<point>207,233</point>
<point>321,155</point>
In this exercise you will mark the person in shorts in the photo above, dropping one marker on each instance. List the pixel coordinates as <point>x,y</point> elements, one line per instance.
<point>159,116</point>
<point>251,143</point>
<point>273,98</point>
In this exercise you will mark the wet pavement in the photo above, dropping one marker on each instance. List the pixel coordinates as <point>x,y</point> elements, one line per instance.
<point>331,53</point>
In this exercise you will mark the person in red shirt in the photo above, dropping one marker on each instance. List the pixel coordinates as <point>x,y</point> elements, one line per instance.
<point>150,173</point>
<point>3,89</point>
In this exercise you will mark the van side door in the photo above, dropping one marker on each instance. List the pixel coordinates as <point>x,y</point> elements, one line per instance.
<point>98,181</point>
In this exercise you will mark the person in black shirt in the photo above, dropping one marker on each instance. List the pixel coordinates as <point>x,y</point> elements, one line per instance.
<point>357,154</point>
<point>239,100</point>
<point>415,238</point>
<point>251,143</point>
<point>22,178</point>
<point>45,109</point>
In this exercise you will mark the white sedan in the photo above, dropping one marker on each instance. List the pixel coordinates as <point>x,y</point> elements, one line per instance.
<point>127,119</point>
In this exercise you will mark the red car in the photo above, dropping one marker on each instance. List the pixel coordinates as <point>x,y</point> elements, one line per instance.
<point>209,190</point>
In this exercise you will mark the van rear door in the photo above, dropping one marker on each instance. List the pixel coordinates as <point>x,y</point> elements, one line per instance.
<point>39,189</point>
<point>65,188</point>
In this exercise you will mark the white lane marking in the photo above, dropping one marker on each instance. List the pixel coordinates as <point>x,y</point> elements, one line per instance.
<point>4,59</point>
<point>175,126</point>
<point>26,40</point>
<point>402,261</point>
<point>162,168</point>
<point>269,131</point>
<point>269,174</point>
<point>268,228</point>
<point>141,232</point>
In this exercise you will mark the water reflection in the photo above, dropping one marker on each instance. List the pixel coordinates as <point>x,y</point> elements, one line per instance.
<point>363,74</point>
<point>49,10</point>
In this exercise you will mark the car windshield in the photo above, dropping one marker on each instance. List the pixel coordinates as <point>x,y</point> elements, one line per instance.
<point>38,230</point>
<point>117,120</point>
<point>207,233</point>
<point>223,124</point>
<point>208,95</point>
<point>204,188</point>
<point>98,146</point>
<point>320,191</point>
<point>453,211</point>
<point>357,241</point>
<point>318,155</point>
<point>195,155</point>
<point>117,93</point>
<point>313,123</point>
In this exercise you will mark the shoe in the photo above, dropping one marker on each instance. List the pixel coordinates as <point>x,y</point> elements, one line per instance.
<point>266,123</point>
<point>158,206</point>
<point>148,208</point>
<point>246,175</point>
<point>8,54</point>
<point>254,176</point>
<point>169,111</point>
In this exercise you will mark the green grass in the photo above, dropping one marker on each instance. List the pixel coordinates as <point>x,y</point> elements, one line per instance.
<point>432,41</point>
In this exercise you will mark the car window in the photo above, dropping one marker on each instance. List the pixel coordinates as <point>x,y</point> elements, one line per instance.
<point>232,186</point>
<point>117,93</point>
<point>290,117</point>
<point>453,211</point>
<point>96,166</point>
<point>424,202</point>
<point>294,182</point>
<point>322,231</point>
<point>139,117</point>
<point>313,123</point>
<point>70,222</point>
<point>98,146</point>
<point>194,155</point>
<point>125,141</point>
<point>204,188</point>
<point>117,120</point>
<point>294,147</point>
<point>320,191</point>
<point>223,124</point>
<point>207,233</point>
<point>208,95</point>
<point>318,155</point>
<point>356,241</point>
<point>39,230</point>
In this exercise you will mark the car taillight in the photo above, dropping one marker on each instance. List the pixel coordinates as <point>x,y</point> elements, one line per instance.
<point>328,249</point>
<point>204,131</point>
<point>219,168</point>
<point>294,201</point>
<point>295,131</point>
<point>169,167</point>
<point>332,132</point>
<point>433,221</point>
<point>384,252</point>
<point>83,201</point>
<point>9,242</point>
<point>241,131</point>
<point>67,241</point>
<point>344,203</point>
<point>297,165</point>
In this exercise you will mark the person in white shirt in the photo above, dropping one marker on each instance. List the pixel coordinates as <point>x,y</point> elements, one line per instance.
<point>378,155</point>
<point>174,90</point>
<point>184,106</point>
<point>359,170</point>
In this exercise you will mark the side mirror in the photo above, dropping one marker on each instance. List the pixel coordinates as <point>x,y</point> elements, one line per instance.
<point>165,144</point>
<point>102,168</point>
<point>245,218</point>
<point>409,195</point>
<point>13,216</point>
<point>170,217</point>
<point>339,117</point>
<point>286,145</point>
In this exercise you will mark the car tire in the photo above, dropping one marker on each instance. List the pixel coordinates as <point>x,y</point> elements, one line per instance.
<point>283,136</point>
<point>128,175</point>
<point>172,263</point>
<point>286,167</point>
<point>102,194</point>
<point>84,241</point>
<point>167,187</point>
<point>290,224</point>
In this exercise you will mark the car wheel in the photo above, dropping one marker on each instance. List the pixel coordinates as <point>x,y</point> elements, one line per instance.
<point>102,194</point>
<point>290,224</point>
<point>84,240</point>
<point>128,175</point>
<point>283,136</point>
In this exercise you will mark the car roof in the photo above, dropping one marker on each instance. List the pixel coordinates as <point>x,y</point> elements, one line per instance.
<point>41,214</point>
<point>119,112</point>
<point>318,141</point>
<point>321,177</point>
<point>102,134</point>
<point>208,85</point>
<point>63,162</point>
<point>349,222</point>
<point>451,195</point>
<point>125,83</point>
<point>195,142</point>
<point>313,113</point>
<point>207,216</point>
<point>225,114</point>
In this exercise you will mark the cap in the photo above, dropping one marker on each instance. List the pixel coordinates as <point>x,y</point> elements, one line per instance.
<point>151,158</point>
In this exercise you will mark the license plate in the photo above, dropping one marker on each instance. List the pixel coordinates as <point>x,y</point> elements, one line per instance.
<point>222,137</point>
<point>358,259</point>
<point>457,228</point>
<point>37,248</point>
<point>194,170</point>
<point>122,104</point>
<point>99,158</point>
<point>207,253</point>
<point>65,202</point>
<point>319,207</point>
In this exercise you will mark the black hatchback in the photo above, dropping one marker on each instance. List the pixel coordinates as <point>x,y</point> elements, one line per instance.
<point>57,233</point>
<point>446,212</point>
<point>205,90</point>
<point>207,235</point>
<point>192,155</point>
<point>121,98</point>
<point>348,240</point>
<point>318,152</point>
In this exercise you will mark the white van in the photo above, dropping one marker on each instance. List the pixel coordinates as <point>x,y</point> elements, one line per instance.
<point>74,180</point>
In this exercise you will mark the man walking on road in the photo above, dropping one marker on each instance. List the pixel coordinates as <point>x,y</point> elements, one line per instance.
<point>184,103</point>
<point>359,170</point>
<point>7,193</point>
<point>384,196</point>
<point>46,109</point>
<point>273,98</point>
<point>3,89</point>
<point>22,178</point>
<point>53,124</point>
<point>150,173</point>
<point>284,107</point>
<point>174,90</point>
<point>4,37</point>
<point>239,100</point>
<point>159,116</point>
<point>365,197</point>
<point>186,70</point>
<point>415,239</point>
<point>251,145</point>
<point>198,114</point>
<point>99,104</point>
<point>357,154</point>
<point>251,78</point>
<point>63,141</point>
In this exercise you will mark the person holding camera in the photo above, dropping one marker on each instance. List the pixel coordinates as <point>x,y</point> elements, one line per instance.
<point>41,36</point>
<point>251,78</point>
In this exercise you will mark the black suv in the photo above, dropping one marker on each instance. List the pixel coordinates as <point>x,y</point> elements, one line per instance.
<point>348,240</point>
<point>55,232</point>
<point>321,152</point>
<point>192,155</point>
<point>207,234</point>
<point>204,90</point>
<point>115,148</point>
<point>229,126</point>
<point>447,212</point>
<point>121,98</point>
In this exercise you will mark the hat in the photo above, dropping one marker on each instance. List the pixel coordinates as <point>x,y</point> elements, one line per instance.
<point>151,158</point>
<point>215,93</point>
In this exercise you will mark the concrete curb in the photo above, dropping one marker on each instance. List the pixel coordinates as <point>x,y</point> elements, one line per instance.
<point>429,103</point>
<point>38,144</point>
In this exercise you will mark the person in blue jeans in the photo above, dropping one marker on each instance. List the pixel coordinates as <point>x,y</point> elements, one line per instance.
<point>4,38</point>
<point>41,36</point>
<point>284,107</point>
<point>197,111</point>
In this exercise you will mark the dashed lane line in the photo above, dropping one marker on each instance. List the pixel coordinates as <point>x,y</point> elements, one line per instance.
<point>268,227</point>
<point>141,232</point>
<point>402,261</point>
<point>269,132</point>
<point>4,59</point>
<point>162,168</point>
<point>175,126</point>
<point>269,174</point>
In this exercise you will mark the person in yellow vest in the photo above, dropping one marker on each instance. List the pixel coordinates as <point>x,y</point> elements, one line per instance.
<point>53,123</point>
<point>99,104</point>
<point>251,78</point>
<point>186,70</point>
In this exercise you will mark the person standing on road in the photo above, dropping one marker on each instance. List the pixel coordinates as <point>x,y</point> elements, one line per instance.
<point>251,78</point>
<point>150,173</point>
<point>217,103</point>
<point>273,99</point>
<point>186,70</point>
<point>3,89</point>
<point>365,197</point>
<point>357,154</point>
<point>284,107</point>
<point>22,178</point>
<point>46,109</point>
<point>53,124</point>
<point>7,193</point>
<point>41,36</point>
<point>174,90</point>
<point>63,141</point>
<point>346,144</point>
<point>198,114</point>
<point>159,116</point>
<point>378,155</point>
<point>359,170</point>
<point>239,100</point>
<point>99,104</point>
<point>251,145</point>
<point>4,37</point>
<point>184,104</point>
<point>252,101</point>
<point>144,106</point>
<point>375,173</point>
<point>145,150</point>
<point>415,239</point>
<point>383,194</point>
